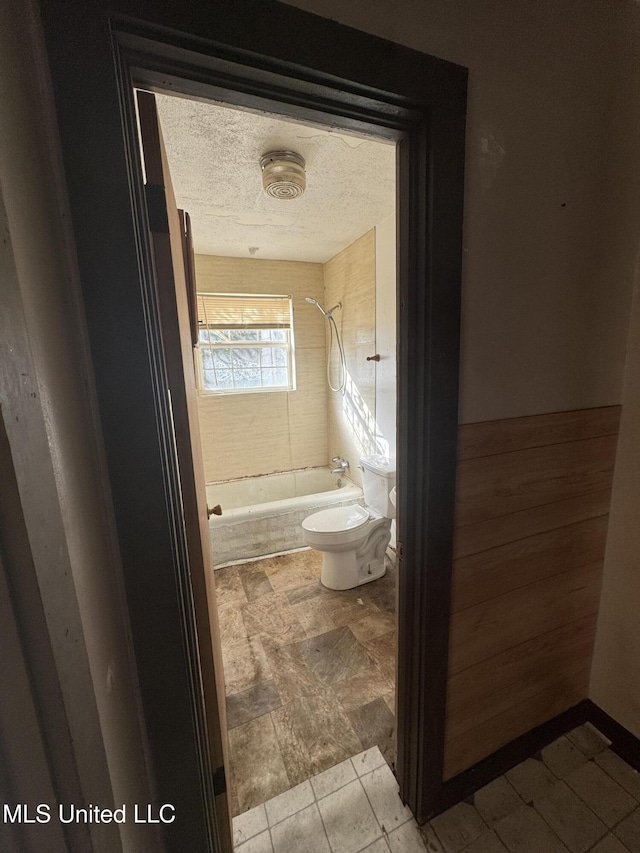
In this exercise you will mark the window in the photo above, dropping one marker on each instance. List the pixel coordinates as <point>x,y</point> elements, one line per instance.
<point>245,343</point>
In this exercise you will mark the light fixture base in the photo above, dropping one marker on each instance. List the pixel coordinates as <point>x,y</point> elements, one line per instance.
<point>283,174</point>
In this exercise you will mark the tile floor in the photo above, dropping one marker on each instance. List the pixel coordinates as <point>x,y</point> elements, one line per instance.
<point>309,672</point>
<point>577,796</point>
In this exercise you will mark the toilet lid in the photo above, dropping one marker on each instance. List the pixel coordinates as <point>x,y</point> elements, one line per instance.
<point>336,519</point>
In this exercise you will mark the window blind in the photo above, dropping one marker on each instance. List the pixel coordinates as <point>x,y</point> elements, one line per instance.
<point>237,311</point>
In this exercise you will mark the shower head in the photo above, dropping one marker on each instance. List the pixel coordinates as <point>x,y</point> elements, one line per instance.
<point>317,304</point>
<point>328,313</point>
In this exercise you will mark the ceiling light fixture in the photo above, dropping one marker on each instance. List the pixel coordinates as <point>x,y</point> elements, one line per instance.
<point>283,174</point>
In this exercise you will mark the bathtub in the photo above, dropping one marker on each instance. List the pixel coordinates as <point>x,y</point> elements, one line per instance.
<point>263,515</point>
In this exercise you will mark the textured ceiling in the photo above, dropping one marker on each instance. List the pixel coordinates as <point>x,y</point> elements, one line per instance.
<point>214,154</point>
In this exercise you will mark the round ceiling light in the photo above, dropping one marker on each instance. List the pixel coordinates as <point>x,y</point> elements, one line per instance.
<point>283,174</point>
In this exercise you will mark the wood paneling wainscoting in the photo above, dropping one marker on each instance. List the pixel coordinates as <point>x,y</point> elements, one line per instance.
<point>531,521</point>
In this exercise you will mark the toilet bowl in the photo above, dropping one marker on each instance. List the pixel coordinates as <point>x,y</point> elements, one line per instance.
<point>354,539</point>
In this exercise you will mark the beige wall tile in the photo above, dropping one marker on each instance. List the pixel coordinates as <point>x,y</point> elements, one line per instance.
<point>252,434</point>
<point>350,278</point>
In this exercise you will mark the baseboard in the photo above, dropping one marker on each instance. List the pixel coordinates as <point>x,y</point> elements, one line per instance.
<point>623,742</point>
<point>469,781</point>
<point>465,784</point>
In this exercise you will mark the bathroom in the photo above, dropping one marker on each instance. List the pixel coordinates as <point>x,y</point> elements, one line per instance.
<point>299,659</point>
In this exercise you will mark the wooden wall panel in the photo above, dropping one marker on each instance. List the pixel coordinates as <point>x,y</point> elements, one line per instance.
<point>531,521</point>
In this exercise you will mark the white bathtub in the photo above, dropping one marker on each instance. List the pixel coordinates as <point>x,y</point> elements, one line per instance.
<point>263,515</point>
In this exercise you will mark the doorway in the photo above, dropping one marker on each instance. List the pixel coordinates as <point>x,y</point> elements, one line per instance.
<point>292,398</point>
<point>329,74</point>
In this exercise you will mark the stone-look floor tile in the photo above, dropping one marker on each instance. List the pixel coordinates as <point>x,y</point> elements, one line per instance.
<point>496,800</point>
<point>373,625</point>
<point>245,664</point>
<point>430,839</point>
<point>562,757</point>
<point>348,819</point>
<point>458,827</point>
<point>234,806</point>
<point>610,844</point>
<point>374,724</point>
<point>251,823</point>
<point>368,760</point>
<point>291,675</point>
<point>381,788</point>
<point>301,831</point>
<point>232,627</point>
<point>525,831</point>
<point>344,609</point>
<point>383,650</point>
<point>369,684</point>
<point>333,779</point>
<point>292,571</point>
<point>257,700</point>
<point>588,740</point>
<point>273,617</point>
<point>306,592</point>
<point>574,824</point>
<point>531,779</point>
<point>314,733</point>
<point>256,762</point>
<point>313,616</point>
<point>334,656</point>
<point>258,844</point>
<point>255,584</point>
<point>408,839</point>
<point>390,699</point>
<point>383,593</point>
<point>290,802</point>
<point>605,797</point>
<point>229,589</point>
<point>488,842</point>
<point>624,775</point>
<point>628,831</point>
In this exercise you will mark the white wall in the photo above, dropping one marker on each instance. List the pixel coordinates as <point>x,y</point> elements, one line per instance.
<point>552,198</point>
<point>615,676</point>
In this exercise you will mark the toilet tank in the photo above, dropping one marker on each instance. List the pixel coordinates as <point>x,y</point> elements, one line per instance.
<point>378,478</point>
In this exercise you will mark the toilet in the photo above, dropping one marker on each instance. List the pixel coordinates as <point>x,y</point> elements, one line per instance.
<point>352,538</point>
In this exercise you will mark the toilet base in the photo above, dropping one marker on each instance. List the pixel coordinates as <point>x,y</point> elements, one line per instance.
<point>340,570</point>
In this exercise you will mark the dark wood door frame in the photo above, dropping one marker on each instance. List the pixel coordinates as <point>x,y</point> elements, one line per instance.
<point>330,74</point>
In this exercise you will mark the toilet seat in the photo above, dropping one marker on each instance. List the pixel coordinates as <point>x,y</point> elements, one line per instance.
<point>336,519</point>
<point>339,527</point>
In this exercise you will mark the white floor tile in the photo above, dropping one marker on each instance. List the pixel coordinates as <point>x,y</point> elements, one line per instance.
<point>458,827</point>
<point>406,839</point>
<point>303,832</point>
<point>563,757</point>
<point>288,803</point>
<point>247,825</point>
<point>379,846</point>
<point>430,839</point>
<point>258,844</point>
<point>589,740</point>
<point>381,788</point>
<point>348,819</point>
<point>368,760</point>
<point>333,778</point>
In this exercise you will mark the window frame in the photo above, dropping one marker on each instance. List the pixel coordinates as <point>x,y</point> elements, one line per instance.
<point>289,345</point>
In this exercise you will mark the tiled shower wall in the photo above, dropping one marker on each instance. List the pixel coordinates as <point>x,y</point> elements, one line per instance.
<point>261,433</point>
<point>250,434</point>
<point>350,278</point>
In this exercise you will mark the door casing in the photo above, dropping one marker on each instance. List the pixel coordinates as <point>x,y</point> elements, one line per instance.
<point>328,74</point>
